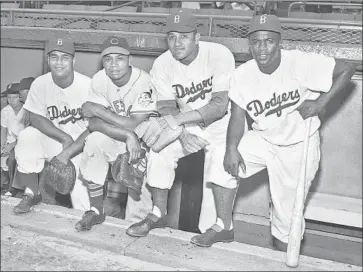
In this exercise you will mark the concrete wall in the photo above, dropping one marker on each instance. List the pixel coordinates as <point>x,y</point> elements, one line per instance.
<point>340,172</point>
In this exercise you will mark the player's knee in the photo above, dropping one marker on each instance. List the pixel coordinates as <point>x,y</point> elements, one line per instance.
<point>28,145</point>
<point>164,158</point>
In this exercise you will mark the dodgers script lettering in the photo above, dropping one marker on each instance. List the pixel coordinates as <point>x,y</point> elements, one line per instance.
<point>274,105</point>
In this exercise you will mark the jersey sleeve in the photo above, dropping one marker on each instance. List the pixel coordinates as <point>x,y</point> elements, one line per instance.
<point>4,117</point>
<point>224,66</point>
<point>160,80</point>
<point>97,89</point>
<point>237,86</point>
<point>314,71</point>
<point>145,102</point>
<point>35,101</point>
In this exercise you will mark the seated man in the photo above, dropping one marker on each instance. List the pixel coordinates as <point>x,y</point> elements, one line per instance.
<point>121,97</point>
<point>11,124</point>
<point>56,125</point>
<point>15,127</point>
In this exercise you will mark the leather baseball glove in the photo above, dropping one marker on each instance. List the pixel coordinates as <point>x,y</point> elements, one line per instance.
<point>60,176</point>
<point>131,175</point>
<point>158,133</point>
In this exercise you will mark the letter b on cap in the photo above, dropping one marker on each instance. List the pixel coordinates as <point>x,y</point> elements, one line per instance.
<point>177,19</point>
<point>263,19</point>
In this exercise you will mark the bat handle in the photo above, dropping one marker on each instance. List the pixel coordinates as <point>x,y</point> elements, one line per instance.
<point>293,247</point>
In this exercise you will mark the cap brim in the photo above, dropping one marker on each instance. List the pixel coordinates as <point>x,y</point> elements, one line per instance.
<point>61,50</point>
<point>265,29</point>
<point>181,29</point>
<point>115,50</point>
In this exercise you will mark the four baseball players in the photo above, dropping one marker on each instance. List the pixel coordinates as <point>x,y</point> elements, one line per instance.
<point>193,81</point>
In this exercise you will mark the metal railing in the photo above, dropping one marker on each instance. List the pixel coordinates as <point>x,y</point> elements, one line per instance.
<point>307,30</point>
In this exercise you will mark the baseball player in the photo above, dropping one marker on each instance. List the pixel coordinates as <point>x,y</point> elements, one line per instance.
<point>279,89</point>
<point>121,97</point>
<point>56,125</point>
<point>193,76</point>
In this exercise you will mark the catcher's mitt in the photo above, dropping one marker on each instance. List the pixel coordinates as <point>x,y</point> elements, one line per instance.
<point>158,133</point>
<point>131,175</point>
<point>60,176</point>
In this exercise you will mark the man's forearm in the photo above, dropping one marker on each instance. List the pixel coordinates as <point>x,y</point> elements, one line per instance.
<point>190,117</point>
<point>339,83</point>
<point>77,146</point>
<point>47,127</point>
<point>115,119</point>
<point>236,126</point>
<point>115,132</point>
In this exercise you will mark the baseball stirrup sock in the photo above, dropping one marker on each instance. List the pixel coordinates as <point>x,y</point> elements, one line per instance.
<point>160,200</point>
<point>95,192</point>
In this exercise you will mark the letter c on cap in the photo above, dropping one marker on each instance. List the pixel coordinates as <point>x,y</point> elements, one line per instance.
<point>114,41</point>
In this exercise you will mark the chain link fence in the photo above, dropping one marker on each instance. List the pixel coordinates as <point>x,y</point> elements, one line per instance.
<point>208,25</point>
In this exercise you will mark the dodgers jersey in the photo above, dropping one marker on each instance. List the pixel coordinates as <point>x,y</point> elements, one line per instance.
<point>192,85</point>
<point>138,96</point>
<point>61,106</point>
<point>272,100</point>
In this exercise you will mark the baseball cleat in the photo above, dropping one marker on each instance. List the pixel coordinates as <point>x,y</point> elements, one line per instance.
<point>212,236</point>
<point>143,227</point>
<point>26,203</point>
<point>89,219</point>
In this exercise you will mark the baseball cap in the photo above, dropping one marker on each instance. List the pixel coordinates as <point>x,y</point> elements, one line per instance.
<point>268,22</point>
<point>182,20</point>
<point>114,44</point>
<point>25,83</point>
<point>11,88</point>
<point>62,44</point>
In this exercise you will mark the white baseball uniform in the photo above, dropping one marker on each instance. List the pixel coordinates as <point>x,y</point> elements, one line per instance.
<point>13,123</point>
<point>275,142</point>
<point>138,96</point>
<point>62,107</point>
<point>192,87</point>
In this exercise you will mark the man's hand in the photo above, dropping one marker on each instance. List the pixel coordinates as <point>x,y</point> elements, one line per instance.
<point>310,108</point>
<point>64,156</point>
<point>90,109</point>
<point>66,142</point>
<point>133,147</point>
<point>233,161</point>
<point>192,143</point>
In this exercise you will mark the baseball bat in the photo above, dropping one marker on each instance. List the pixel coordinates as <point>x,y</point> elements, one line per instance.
<point>293,247</point>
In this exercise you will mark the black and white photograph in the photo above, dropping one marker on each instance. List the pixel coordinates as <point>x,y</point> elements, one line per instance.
<point>181,135</point>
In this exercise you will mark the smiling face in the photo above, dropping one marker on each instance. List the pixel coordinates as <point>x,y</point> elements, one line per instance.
<point>183,46</point>
<point>61,64</point>
<point>116,65</point>
<point>265,49</point>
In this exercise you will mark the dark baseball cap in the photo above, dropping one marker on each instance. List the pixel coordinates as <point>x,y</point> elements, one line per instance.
<point>11,88</point>
<point>62,44</point>
<point>267,22</point>
<point>25,83</point>
<point>115,45</point>
<point>182,20</point>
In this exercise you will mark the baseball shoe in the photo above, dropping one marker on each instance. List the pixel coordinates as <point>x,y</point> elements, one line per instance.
<point>89,219</point>
<point>212,236</point>
<point>276,244</point>
<point>143,227</point>
<point>26,203</point>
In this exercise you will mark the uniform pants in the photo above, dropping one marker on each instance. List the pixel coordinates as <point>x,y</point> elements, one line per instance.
<point>100,150</point>
<point>161,173</point>
<point>31,152</point>
<point>283,166</point>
